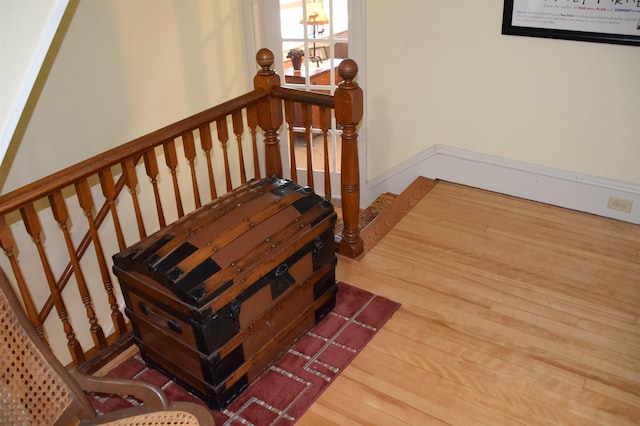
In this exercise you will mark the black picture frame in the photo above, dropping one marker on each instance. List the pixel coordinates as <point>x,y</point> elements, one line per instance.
<point>589,9</point>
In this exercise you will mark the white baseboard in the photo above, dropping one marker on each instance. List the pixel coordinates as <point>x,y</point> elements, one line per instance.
<point>557,187</point>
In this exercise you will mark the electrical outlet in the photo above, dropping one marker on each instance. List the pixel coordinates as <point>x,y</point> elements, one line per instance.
<point>620,204</point>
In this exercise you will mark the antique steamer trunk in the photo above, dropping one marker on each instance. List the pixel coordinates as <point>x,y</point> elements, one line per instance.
<point>218,295</point>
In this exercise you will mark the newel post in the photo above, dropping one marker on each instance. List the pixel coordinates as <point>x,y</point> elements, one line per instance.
<point>348,101</point>
<point>269,112</point>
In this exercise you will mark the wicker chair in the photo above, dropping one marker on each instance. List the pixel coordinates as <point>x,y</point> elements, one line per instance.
<point>36,389</point>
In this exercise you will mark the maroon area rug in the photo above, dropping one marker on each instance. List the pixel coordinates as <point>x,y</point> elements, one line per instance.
<point>285,391</point>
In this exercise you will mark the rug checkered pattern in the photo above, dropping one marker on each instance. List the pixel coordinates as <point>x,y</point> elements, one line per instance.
<point>285,391</point>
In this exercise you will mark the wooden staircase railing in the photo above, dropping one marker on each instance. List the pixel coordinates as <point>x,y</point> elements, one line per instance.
<point>58,239</point>
<point>348,106</point>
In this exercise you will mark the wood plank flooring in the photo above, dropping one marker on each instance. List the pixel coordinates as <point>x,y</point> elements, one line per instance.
<point>513,313</point>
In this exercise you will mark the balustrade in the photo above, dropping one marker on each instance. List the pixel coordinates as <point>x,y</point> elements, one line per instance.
<point>119,219</point>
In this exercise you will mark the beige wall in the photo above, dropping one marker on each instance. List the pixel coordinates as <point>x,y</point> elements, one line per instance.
<point>125,68</point>
<point>33,24</point>
<point>440,72</point>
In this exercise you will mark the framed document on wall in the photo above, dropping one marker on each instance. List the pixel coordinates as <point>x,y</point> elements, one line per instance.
<point>603,21</point>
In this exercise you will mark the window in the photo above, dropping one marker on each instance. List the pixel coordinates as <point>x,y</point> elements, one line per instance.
<point>315,37</point>
<point>318,29</point>
<point>280,26</point>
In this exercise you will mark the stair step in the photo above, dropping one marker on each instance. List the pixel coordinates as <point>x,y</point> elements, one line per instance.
<point>395,211</point>
<point>369,214</point>
<point>386,211</point>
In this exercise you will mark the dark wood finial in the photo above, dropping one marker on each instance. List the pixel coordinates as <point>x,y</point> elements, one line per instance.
<point>265,59</point>
<point>348,70</point>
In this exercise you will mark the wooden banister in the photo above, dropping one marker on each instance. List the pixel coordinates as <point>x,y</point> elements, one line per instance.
<point>269,112</point>
<point>68,176</point>
<point>348,103</point>
<point>349,110</point>
<point>122,194</point>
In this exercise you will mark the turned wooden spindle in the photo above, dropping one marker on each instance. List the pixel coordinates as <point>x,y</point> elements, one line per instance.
<point>151,167</point>
<point>207,145</point>
<point>348,101</point>
<point>223,138</point>
<point>289,116</point>
<point>34,229</point>
<point>307,121</point>
<point>325,125</point>
<point>189,147</point>
<point>269,112</point>
<point>238,130</point>
<point>61,215</point>
<point>171,159</point>
<point>252,123</point>
<point>8,244</point>
<point>131,180</point>
<point>85,199</point>
<point>110,194</point>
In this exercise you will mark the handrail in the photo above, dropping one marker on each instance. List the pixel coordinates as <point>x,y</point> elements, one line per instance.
<point>46,185</point>
<point>69,193</point>
<point>313,98</point>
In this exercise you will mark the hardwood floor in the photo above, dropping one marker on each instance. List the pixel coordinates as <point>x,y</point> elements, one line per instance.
<point>513,312</point>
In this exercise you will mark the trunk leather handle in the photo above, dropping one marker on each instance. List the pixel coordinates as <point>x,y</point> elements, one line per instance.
<point>160,320</point>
